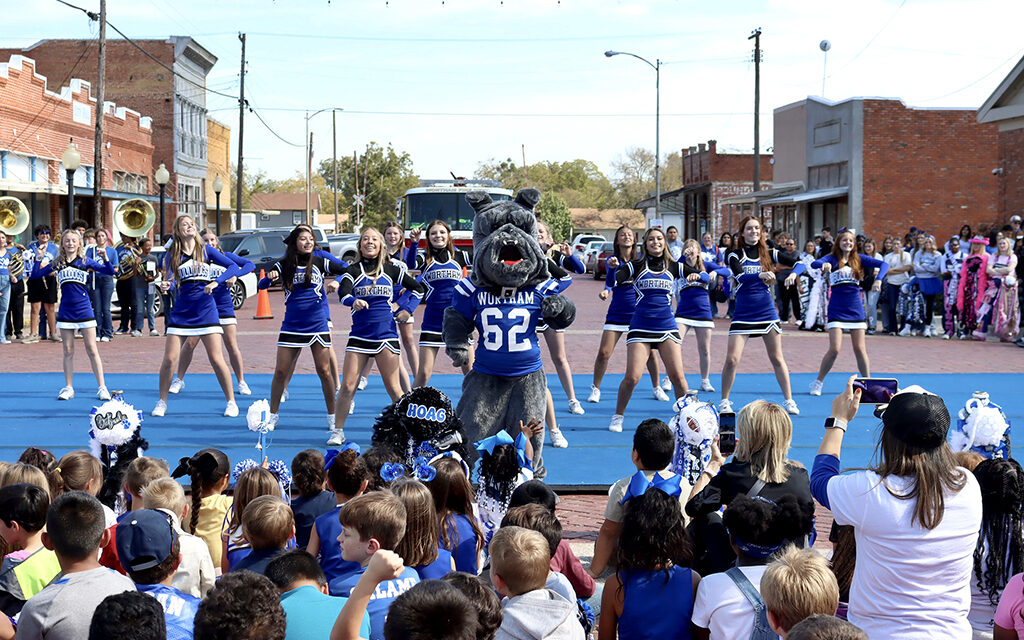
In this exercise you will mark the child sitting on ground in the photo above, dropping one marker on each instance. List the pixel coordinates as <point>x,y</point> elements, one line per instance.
<point>196,572</point>
<point>30,566</point>
<point>148,548</point>
<point>209,472</point>
<point>268,525</point>
<point>310,499</point>
<point>504,465</point>
<point>453,500</point>
<point>242,606</point>
<point>347,477</point>
<point>825,627</point>
<point>308,606</point>
<point>420,546</point>
<point>75,530</point>
<point>431,610</point>
<point>653,447</point>
<point>251,484</point>
<point>142,471</point>
<point>483,597</point>
<point>798,584</point>
<point>520,563</point>
<point>537,518</point>
<point>130,615</point>
<point>80,471</point>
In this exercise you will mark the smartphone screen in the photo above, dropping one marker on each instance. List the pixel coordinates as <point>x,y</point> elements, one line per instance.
<point>876,390</point>
<point>727,433</point>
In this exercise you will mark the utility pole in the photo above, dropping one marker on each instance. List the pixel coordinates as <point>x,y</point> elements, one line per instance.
<point>309,180</point>
<point>756,37</point>
<point>334,166</point>
<point>526,176</point>
<point>241,129</point>
<point>355,187</point>
<point>97,158</point>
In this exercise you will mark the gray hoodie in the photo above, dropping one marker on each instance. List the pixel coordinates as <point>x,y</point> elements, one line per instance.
<point>539,614</point>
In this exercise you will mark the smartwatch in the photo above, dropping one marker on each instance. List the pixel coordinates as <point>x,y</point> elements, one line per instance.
<point>835,423</point>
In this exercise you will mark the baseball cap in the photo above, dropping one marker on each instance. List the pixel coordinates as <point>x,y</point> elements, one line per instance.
<point>533,492</point>
<point>916,417</point>
<point>144,539</point>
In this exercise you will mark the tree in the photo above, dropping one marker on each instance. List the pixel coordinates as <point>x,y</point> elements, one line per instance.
<point>384,175</point>
<point>257,182</point>
<point>579,182</point>
<point>553,210</point>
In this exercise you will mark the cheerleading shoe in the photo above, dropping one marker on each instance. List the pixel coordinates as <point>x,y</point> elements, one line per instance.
<point>160,409</point>
<point>725,406</point>
<point>362,383</point>
<point>816,387</point>
<point>231,410</point>
<point>243,389</point>
<point>558,441</point>
<point>177,385</point>
<point>337,438</point>
<point>705,385</point>
<point>595,394</point>
<point>103,394</point>
<point>791,407</point>
<point>616,424</point>
<point>575,408</point>
<point>659,394</point>
<point>66,393</point>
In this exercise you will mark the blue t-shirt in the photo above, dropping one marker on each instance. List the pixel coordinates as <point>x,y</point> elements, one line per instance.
<point>257,560</point>
<point>311,614</point>
<point>507,326</point>
<point>328,529</point>
<point>437,569</point>
<point>382,597</point>
<point>461,542</point>
<point>307,509</point>
<point>656,609</point>
<point>179,609</point>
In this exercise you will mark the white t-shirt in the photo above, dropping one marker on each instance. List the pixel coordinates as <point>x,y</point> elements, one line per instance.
<point>721,607</point>
<point>909,582</point>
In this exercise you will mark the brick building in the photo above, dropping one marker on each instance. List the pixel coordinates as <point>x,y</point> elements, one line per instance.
<point>218,145</point>
<point>37,123</point>
<point>1005,108</point>
<point>879,166</point>
<point>143,82</point>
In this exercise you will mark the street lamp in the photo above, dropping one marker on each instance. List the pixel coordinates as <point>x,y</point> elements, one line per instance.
<point>162,176</point>
<point>71,160</point>
<point>309,162</point>
<point>656,65</point>
<point>218,186</point>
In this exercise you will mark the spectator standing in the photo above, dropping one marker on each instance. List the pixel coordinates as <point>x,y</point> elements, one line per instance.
<point>143,290</point>
<point>928,263</point>
<point>825,244</point>
<point>101,288</point>
<point>788,297</point>
<point>900,265</point>
<point>673,243</point>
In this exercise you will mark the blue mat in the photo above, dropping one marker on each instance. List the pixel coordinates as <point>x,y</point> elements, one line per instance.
<point>595,457</point>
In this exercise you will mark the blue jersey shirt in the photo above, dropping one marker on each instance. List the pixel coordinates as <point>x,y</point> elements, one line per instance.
<point>328,528</point>
<point>754,300</point>
<point>653,286</point>
<point>222,295</point>
<point>193,307</point>
<point>844,303</point>
<point>461,542</point>
<point>305,305</point>
<point>439,278</point>
<point>507,326</point>
<point>656,606</point>
<point>382,597</point>
<point>377,321</point>
<point>73,280</point>
<point>179,609</point>
<point>623,302</point>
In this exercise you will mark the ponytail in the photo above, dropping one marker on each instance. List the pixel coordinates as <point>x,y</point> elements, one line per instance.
<point>205,469</point>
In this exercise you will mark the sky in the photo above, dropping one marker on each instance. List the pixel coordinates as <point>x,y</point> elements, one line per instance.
<point>456,83</point>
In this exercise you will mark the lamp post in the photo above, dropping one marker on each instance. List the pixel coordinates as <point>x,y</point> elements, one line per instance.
<point>162,176</point>
<point>309,162</point>
<point>218,186</point>
<point>71,160</point>
<point>656,65</point>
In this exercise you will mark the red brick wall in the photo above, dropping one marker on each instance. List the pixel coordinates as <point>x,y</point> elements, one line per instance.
<point>1011,154</point>
<point>708,165</point>
<point>927,168</point>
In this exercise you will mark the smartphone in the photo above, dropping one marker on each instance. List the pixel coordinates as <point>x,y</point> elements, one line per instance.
<point>876,390</point>
<point>727,433</point>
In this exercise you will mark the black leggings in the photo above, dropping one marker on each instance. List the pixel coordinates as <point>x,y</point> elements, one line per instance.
<point>929,308</point>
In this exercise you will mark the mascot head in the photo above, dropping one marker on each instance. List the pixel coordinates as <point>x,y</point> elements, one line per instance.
<point>505,248</point>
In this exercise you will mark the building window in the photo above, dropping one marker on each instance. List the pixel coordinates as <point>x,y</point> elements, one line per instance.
<point>827,133</point>
<point>190,198</point>
<point>191,133</point>
<point>130,182</point>
<point>827,176</point>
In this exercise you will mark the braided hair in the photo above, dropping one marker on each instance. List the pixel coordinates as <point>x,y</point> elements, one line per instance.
<point>498,472</point>
<point>1000,550</point>
<point>205,469</point>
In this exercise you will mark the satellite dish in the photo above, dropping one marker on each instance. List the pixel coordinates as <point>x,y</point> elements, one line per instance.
<point>824,45</point>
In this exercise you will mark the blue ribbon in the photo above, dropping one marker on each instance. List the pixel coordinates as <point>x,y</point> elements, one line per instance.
<point>501,438</point>
<point>332,454</point>
<point>639,484</point>
<point>391,471</point>
<point>424,471</point>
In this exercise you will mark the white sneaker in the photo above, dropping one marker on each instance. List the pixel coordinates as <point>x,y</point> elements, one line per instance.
<point>816,387</point>
<point>705,385</point>
<point>337,438</point>
<point>928,331</point>
<point>666,383</point>
<point>105,339</point>
<point>153,333</point>
<point>177,385</point>
<point>330,422</point>
<point>136,334</point>
<point>66,393</point>
<point>362,383</point>
<point>558,441</point>
<point>616,424</point>
<point>575,408</point>
<point>159,410</point>
<point>243,389</point>
<point>725,406</point>
<point>595,394</point>
<point>231,410</point>
<point>272,421</point>
<point>945,336</point>
<point>905,331</point>
<point>103,394</point>
<point>659,394</point>
<point>791,407</point>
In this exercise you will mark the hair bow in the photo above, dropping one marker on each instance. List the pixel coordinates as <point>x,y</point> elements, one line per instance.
<point>424,471</point>
<point>501,438</point>
<point>639,484</point>
<point>391,471</point>
<point>332,454</point>
<point>455,456</point>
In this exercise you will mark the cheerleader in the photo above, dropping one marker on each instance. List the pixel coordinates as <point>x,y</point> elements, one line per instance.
<point>694,308</point>
<point>654,277</point>
<point>188,266</point>
<point>620,313</point>
<point>370,287</point>
<point>75,313</point>
<point>226,313</point>
<point>303,273</point>
<point>441,268</point>
<point>394,239</point>
<point>752,265</point>
<point>846,270</point>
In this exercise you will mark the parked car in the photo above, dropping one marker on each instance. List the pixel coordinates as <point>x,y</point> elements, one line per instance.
<point>590,254</point>
<point>607,249</point>
<point>344,245</point>
<point>579,243</point>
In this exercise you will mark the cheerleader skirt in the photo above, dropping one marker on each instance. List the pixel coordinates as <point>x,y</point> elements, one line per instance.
<point>194,312</point>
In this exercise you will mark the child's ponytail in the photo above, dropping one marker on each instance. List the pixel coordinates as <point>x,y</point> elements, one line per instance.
<point>205,469</point>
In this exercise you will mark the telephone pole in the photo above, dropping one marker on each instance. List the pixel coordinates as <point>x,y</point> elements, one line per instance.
<point>241,129</point>
<point>334,167</point>
<point>97,158</point>
<point>756,37</point>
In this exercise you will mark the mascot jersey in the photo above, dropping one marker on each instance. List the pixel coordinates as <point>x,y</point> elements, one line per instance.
<point>844,299</point>
<point>305,305</point>
<point>377,322</point>
<point>620,309</point>
<point>73,279</point>
<point>222,295</point>
<point>754,301</point>
<point>694,303</point>
<point>653,280</point>
<point>193,308</point>
<point>439,278</point>
<point>507,326</point>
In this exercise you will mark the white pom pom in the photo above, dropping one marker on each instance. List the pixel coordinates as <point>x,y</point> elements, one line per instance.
<point>988,426</point>
<point>258,416</point>
<point>696,422</point>
<point>114,422</point>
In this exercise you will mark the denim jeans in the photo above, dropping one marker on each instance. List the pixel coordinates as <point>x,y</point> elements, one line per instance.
<point>871,307</point>
<point>143,302</point>
<point>892,296</point>
<point>5,295</point>
<point>100,295</point>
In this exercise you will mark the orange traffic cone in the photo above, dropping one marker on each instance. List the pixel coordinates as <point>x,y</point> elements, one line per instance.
<point>263,302</point>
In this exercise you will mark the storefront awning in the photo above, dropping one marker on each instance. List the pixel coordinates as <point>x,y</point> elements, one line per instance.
<point>808,196</point>
<point>759,196</point>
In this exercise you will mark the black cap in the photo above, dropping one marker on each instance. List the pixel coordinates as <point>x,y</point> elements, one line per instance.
<point>533,492</point>
<point>917,418</point>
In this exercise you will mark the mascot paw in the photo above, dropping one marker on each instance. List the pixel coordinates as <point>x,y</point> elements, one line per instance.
<point>558,311</point>
<point>459,355</point>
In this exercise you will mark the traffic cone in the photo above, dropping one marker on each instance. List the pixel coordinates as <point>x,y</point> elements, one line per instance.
<point>263,302</point>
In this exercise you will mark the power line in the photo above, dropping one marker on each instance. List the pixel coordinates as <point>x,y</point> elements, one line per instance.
<point>875,37</point>
<point>965,87</point>
<point>559,38</point>
<point>511,115</point>
<point>271,130</point>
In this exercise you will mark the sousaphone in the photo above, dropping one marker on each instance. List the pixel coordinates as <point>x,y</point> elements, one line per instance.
<point>134,218</point>
<point>13,215</point>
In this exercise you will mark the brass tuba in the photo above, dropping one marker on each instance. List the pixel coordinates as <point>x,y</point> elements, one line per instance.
<point>13,215</point>
<point>134,218</point>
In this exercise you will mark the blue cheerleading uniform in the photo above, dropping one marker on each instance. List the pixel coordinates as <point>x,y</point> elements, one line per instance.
<point>306,314</point>
<point>656,606</point>
<point>755,312</point>
<point>222,295</point>
<point>694,306</point>
<point>623,302</point>
<point>654,279</point>
<point>845,309</point>
<point>75,311</point>
<point>507,326</point>
<point>374,328</point>
<point>194,312</point>
<point>438,278</point>
<point>561,267</point>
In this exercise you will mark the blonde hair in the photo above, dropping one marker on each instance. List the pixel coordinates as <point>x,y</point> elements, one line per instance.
<point>22,472</point>
<point>178,246</point>
<point>268,522</point>
<point>521,557</point>
<point>252,484</point>
<point>382,255</point>
<point>144,470</point>
<point>700,261</point>
<point>798,584</point>
<point>63,258</point>
<point>164,493</point>
<point>763,435</point>
<point>76,469</point>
